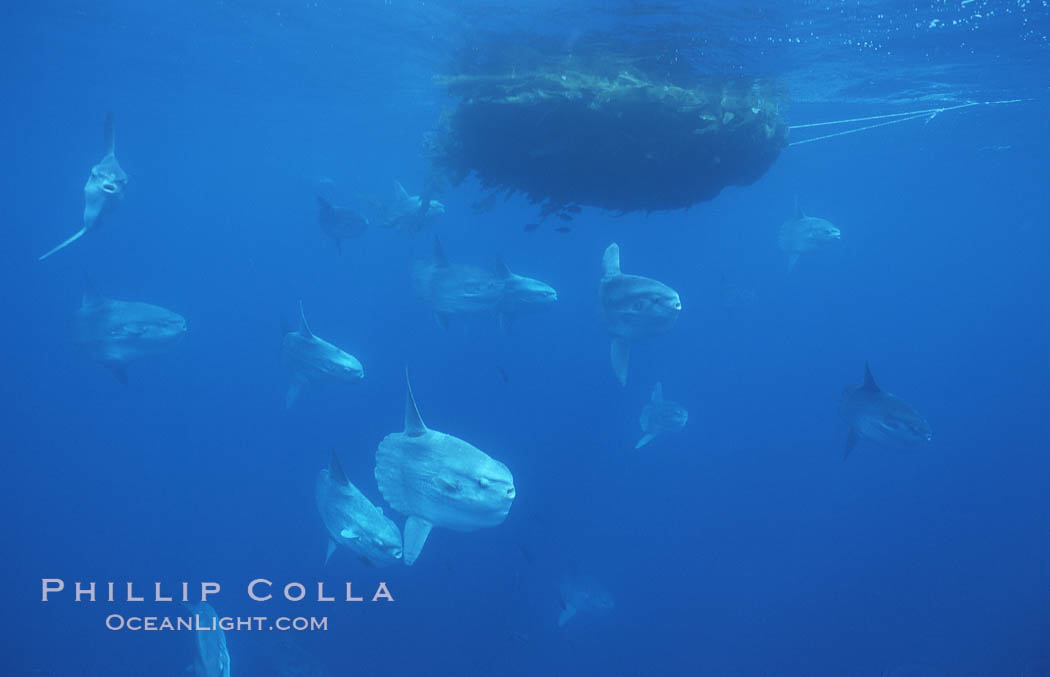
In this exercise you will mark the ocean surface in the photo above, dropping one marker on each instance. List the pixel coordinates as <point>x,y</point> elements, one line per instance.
<point>742,545</point>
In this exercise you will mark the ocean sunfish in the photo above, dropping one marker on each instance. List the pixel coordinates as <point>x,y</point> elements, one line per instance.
<point>455,289</point>
<point>660,416</point>
<point>339,223</point>
<point>805,234</point>
<point>117,333</point>
<point>582,593</point>
<point>521,295</point>
<point>311,359</point>
<point>437,480</point>
<point>213,658</point>
<point>633,307</point>
<point>104,188</point>
<point>874,414</point>
<point>353,521</point>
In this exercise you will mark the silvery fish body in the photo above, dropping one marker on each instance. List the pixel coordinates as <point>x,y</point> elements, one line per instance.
<point>353,521</point>
<point>455,289</point>
<point>311,359</point>
<point>632,307</point>
<point>805,234</point>
<point>213,658</point>
<point>660,416</point>
<point>884,418</point>
<point>117,333</point>
<point>438,480</point>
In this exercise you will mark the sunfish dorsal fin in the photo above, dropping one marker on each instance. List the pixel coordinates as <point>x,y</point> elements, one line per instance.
<point>611,260</point>
<point>413,421</point>
<point>658,392</point>
<point>501,268</point>
<point>109,134</point>
<point>439,253</point>
<point>335,470</point>
<point>869,381</point>
<point>304,328</point>
<point>400,193</point>
<point>799,214</point>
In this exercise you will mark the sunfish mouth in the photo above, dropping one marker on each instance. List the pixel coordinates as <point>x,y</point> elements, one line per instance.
<point>109,187</point>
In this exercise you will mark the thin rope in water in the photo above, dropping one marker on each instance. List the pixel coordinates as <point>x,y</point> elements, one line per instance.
<point>929,114</point>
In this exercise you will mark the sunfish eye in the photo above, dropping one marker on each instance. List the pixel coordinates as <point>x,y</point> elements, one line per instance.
<point>484,482</point>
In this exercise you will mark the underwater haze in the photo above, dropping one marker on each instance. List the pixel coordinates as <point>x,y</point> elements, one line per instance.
<point>740,541</point>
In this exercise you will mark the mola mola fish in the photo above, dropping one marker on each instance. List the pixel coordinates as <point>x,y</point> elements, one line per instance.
<point>877,415</point>
<point>117,333</point>
<point>437,480</point>
<point>353,521</point>
<point>311,359</point>
<point>103,190</point>
<point>660,416</point>
<point>339,223</point>
<point>521,295</point>
<point>582,593</point>
<point>213,658</point>
<point>633,307</point>
<point>409,213</point>
<point>804,234</point>
<point>455,289</point>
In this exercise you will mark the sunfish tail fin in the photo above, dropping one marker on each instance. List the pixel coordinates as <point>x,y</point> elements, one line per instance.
<point>416,532</point>
<point>76,236</point>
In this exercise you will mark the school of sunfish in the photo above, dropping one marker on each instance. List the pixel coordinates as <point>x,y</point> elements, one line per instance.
<point>434,479</point>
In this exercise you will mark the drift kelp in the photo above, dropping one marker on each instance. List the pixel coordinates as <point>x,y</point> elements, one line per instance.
<point>608,136</point>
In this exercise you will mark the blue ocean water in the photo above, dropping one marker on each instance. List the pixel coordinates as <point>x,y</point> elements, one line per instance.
<point>743,545</point>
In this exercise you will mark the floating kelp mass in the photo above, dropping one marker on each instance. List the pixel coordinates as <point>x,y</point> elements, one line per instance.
<point>619,141</point>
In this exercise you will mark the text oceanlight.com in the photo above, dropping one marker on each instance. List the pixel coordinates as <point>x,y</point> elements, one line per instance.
<point>226,623</point>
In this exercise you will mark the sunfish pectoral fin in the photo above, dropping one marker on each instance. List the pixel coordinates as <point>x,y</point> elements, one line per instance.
<point>294,387</point>
<point>79,234</point>
<point>621,354</point>
<point>792,260</point>
<point>611,260</point>
<point>567,612</point>
<point>851,441</point>
<point>646,439</point>
<point>119,370</point>
<point>331,548</point>
<point>416,532</point>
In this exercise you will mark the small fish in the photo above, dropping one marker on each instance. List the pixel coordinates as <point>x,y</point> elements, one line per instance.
<point>562,229</point>
<point>529,227</point>
<point>519,636</point>
<point>565,217</point>
<point>503,374</point>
